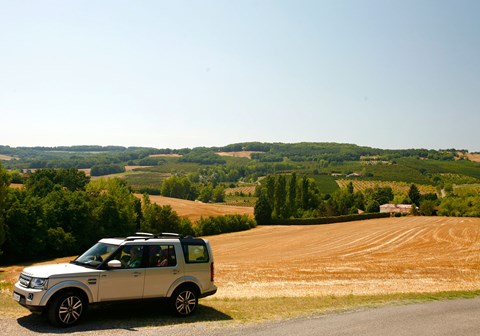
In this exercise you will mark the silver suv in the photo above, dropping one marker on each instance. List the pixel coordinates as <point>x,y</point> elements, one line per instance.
<point>143,266</point>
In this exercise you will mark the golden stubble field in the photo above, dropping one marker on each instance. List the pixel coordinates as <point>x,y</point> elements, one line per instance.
<point>194,210</point>
<point>379,256</point>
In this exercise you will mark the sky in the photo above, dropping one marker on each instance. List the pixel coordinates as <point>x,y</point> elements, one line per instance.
<point>175,74</point>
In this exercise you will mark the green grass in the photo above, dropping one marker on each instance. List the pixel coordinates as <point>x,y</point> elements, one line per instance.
<point>145,179</point>
<point>248,201</point>
<point>462,167</point>
<point>326,183</point>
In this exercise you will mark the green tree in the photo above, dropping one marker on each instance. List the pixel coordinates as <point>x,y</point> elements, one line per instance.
<point>350,187</point>
<point>218,194</point>
<point>292,195</point>
<point>270,190</point>
<point>114,207</point>
<point>427,207</point>
<point>262,210</point>
<point>43,181</point>
<point>206,194</point>
<point>26,231</point>
<point>280,197</point>
<point>372,206</point>
<point>159,219</point>
<point>178,187</point>
<point>4,183</point>
<point>382,195</point>
<point>303,195</point>
<point>414,194</point>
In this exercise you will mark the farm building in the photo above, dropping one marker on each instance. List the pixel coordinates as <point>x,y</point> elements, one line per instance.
<point>394,208</point>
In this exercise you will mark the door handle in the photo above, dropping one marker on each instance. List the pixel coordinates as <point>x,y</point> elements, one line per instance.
<point>175,271</point>
<point>136,274</point>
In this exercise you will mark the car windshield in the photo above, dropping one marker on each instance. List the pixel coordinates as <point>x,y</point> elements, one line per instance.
<point>96,255</point>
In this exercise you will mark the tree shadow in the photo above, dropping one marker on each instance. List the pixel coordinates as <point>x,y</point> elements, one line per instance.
<point>125,315</point>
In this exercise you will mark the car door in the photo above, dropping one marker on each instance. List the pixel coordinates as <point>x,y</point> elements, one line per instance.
<point>163,269</point>
<point>124,283</point>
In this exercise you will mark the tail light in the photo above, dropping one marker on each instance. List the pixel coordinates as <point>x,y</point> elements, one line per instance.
<point>212,272</point>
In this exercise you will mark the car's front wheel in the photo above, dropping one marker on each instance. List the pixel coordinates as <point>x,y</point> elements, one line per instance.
<point>67,309</point>
<point>184,301</point>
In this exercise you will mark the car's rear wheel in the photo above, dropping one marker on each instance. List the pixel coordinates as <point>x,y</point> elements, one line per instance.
<point>67,309</point>
<point>184,301</point>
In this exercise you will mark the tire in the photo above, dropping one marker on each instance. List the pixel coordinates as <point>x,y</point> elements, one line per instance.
<point>184,301</point>
<point>67,309</point>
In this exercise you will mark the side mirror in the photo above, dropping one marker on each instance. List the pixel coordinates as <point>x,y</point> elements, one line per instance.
<point>114,264</point>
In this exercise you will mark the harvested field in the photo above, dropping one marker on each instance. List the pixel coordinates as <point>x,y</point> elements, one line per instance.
<point>474,157</point>
<point>378,256</point>
<point>241,154</point>
<point>87,171</point>
<point>194,210</point>
<point>6,157</point>
<point>165,155</point>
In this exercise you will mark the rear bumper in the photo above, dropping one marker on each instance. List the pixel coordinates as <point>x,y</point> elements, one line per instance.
<point>209,293</point>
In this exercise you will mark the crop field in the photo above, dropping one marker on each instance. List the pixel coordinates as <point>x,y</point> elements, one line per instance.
<point>242,154</point>
<point>5,157</point>
<point>398,188</point>
<point>373,257</point>
<point>194,209</point>
<point>245,190</point>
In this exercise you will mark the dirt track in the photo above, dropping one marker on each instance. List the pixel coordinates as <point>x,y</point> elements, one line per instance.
<point>410,254</point>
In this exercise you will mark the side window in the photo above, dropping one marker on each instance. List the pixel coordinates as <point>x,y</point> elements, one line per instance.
<point>130,256</point>
<point>195,253</point>
<point>161,256</point>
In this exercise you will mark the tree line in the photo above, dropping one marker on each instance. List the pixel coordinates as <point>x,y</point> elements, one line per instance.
<point>60,212</point>
<point>286,196</point>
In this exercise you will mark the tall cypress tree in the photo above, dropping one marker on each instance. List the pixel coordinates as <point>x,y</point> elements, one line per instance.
<point>292,194</point>
<point>280,196</point>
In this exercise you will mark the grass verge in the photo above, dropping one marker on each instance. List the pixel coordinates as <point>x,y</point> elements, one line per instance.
<point>264,309</point>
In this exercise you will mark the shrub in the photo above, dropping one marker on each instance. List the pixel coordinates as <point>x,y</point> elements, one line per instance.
<point>222,224</point>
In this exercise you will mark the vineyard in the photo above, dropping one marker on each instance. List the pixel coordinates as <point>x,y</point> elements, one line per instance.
<point>398,188</point>
<point>244,190</point>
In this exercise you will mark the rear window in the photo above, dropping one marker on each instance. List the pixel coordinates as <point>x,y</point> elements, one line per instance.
<point>195,253</point>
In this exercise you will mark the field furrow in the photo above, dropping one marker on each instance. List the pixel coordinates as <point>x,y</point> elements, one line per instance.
<point>409,254</point>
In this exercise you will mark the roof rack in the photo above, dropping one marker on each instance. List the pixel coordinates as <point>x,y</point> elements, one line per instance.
<point>147,235</point>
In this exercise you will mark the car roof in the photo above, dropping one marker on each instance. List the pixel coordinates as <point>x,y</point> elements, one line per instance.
<point>150,239</point>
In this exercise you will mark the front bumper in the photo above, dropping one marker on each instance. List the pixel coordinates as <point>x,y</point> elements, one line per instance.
<point>28,297</point>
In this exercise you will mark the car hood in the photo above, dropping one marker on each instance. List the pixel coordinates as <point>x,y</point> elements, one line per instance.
<point>58,270</point>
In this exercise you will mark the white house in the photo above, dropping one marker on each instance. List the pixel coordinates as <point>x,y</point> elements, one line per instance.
<point>394,208</point>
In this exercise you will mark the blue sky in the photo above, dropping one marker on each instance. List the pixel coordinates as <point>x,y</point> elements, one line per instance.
<point>386,74</point>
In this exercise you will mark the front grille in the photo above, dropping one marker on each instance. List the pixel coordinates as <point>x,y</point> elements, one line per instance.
<point>24,280</point>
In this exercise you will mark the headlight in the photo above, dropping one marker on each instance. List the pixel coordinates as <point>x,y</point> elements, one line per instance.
<point>39,283</point>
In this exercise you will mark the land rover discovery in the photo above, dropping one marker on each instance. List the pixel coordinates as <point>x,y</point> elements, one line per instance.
<point>143,266</point>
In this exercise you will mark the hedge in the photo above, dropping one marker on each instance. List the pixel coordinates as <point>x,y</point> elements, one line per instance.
<point>326,220</point>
